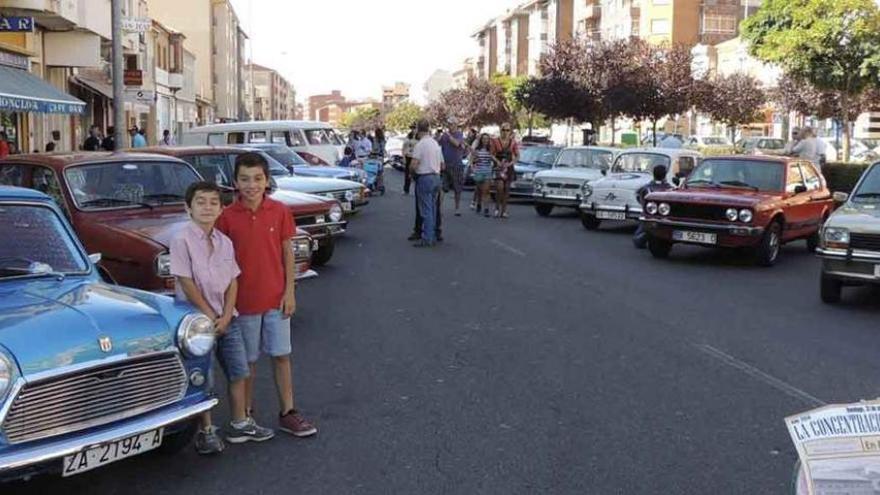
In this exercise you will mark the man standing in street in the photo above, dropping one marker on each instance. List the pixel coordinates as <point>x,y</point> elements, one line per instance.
<point>137,139</point>
<point>427,164</point>
<point>453,146</point>
<point>93,142</point>
<point>109,142</point>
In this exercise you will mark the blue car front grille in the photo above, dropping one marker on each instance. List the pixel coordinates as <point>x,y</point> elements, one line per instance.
<point>94,396</point>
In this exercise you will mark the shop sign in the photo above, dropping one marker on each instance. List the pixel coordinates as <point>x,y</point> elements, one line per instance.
<point>140,96</point>
<point>133,77</point>
<point>17,104</point>
<point>138,25</point>
<point>14,60</point>
<point>16,24</point>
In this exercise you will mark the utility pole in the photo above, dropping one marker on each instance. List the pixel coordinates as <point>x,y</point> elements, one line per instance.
<point>118,67</point>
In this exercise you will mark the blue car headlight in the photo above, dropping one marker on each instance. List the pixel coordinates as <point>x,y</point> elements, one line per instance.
<point>195,335</point>
<point>7,372</point>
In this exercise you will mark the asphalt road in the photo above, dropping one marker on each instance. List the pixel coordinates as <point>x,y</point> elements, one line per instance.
<point>531,356</point>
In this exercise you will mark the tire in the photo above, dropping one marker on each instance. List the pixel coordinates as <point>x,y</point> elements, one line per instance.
<point>590,222</point>
<point>543,209</point>
<point>322,256</point>
<point>767,253</point>
<point>813,242</point>
<point>659,248</point>
<point>173,444</point>
<point>830,289</point>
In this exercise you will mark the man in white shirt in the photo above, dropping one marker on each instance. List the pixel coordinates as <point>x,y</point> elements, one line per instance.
<point>426,165</point>
<point>808,147</point>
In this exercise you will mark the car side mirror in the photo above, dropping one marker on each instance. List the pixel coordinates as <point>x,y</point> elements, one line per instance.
<point>95,258</point>
<point>677,181</point>
<point>840,197</point>
<point>800,189</point>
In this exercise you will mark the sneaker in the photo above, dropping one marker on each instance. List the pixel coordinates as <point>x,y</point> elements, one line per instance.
<point>296,425</point>
<point>457,213</point>
<point>439,238</point>
<point>486,213</point>
<point>497,214</point>
<point>474,206</point>
<point>505,215</point>
<point>208,442</point>
<point>414,237</point>
<point>251,431</point>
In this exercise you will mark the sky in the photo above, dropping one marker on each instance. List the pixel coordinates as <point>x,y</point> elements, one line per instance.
<point>357,46</point>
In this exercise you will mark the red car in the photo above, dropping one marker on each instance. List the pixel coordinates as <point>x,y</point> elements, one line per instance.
<point>321,217</point>
<point>750,202</point>
<point>125,206</point>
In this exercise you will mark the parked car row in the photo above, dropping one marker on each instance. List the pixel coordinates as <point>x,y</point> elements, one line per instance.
<point>96,362</point>
<point>756,203</point>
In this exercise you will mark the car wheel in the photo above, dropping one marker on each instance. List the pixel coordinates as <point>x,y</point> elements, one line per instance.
<point>768,251</point>
<point>659,248</point>
<point>543,209</point>
<point>830,289</point>
<point>590,222</point>
<point>813,242</point>
<point>322,256</point>
<point>174,443</point>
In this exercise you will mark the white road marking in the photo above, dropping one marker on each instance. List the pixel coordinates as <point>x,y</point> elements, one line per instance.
<point>508,248</point>
<point>759,375</point>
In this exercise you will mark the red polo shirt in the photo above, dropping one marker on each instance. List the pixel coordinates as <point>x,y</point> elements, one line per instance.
<point>258,237</point>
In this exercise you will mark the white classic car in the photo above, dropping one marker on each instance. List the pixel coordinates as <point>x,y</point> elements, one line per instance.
<point>614,197</point>
<point>850,239</point>
<point>563,185</point>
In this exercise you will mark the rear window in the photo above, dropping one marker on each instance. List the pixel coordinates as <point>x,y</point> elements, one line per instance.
<point>35,234</point>
<point>321,137</point>
<point>257,137</point>
<point>235,138</point>
<point>640,162</point>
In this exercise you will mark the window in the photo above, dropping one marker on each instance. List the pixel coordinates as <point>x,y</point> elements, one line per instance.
<point>213,168</point>
<point>686,165</point>
<point>723,24</point>
<point>660,26</point>
<point>131,62</point>
<point>279,137</point>
<point>216,139</point>
<point>811,177</point>
<point>257,137</point>
<point>640,162</point>
<point>296,138</point>
<point>36,233</point>
<point>794,178</point>
<point>235,138</point>
<point>120,184</point>
<point>44,180</point>
<point>12,175</point>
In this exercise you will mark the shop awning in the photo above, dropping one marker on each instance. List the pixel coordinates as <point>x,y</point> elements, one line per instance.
<point>95,85</point>
<point>21,91</point>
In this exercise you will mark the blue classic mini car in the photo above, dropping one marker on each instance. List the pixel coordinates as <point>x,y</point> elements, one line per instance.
<point>90,373</point>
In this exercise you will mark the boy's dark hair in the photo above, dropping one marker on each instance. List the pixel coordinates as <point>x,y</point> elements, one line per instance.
<point>348,150</point>
<point>201,186</point>
<point>659,172</point>
<point>251,160</point>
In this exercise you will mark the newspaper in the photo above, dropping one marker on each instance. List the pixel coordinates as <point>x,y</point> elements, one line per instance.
<point>839,449</point>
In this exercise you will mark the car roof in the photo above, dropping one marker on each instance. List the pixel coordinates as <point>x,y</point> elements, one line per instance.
<point>62,160</point>
<point>754,158</point>
<point>259,125</point>
<point>673,152</point>
<point>192,150</point>
<point>18,193</point>
<point>597,148</point>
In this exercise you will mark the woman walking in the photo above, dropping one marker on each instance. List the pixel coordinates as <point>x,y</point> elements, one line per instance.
<point>506,151</point>
<point>483,162</point>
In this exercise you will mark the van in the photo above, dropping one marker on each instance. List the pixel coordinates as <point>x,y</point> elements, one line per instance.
<point>317,142</point>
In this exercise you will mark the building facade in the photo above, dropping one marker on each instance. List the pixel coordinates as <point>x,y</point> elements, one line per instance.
<point>394,95</point>
<point>272,94</point>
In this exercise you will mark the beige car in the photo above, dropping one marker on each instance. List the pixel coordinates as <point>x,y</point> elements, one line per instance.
<point>850,239</point>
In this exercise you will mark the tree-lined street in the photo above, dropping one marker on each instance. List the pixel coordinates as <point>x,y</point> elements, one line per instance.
<point>532,356</point>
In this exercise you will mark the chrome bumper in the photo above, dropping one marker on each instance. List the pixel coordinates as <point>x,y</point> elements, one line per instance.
<point>737,230</point>
<point>324,230</point>
<point>21,457</point>
<point>631,213</point>
<point>848,255</point>
<point>571,201</point>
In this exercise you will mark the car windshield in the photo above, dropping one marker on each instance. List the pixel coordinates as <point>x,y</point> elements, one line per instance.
<point>321,137</point>
<point>869,188</point>
<point>751,174</point>
<point>640,162</point>
<point>771,144</point>
<point>285,156</point>
<point>276,169</point>
<point>129,184</point>
<point>33,241</point>
<point>716,141</point>
<point>584,158</point>
<point>539,156</point>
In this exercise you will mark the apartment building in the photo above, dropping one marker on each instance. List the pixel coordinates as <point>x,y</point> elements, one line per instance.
<point>272,94</point>
<point>394,95</point>
<point>325,103</point>
<point>460,77</point>
<point>169,58</point>
<point>229,42</point>
<point>439,82</point>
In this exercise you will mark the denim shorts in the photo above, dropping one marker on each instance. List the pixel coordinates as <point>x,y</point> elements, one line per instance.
<point>232,354</point>
<point>268,332</point>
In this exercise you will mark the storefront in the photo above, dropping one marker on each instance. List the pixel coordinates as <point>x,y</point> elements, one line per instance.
<point>22,95</point>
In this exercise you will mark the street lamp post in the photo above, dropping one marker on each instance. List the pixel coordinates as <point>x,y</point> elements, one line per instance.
<point>118,103</point>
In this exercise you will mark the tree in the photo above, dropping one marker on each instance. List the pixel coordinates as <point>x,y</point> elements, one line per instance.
<point>796,95</point>
<point>478,104</point>
<point>567,88</point>
<point>362,119</point>
<point>735,100</point>
<point>404,116</point>
<point>832,44</point>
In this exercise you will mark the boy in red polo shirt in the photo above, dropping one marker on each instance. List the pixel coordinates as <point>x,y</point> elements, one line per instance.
<point>261,230</point>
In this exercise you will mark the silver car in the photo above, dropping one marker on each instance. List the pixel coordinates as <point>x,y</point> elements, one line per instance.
<point>564,184</point>
<point>850,239</point>
<point>614,197</point>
